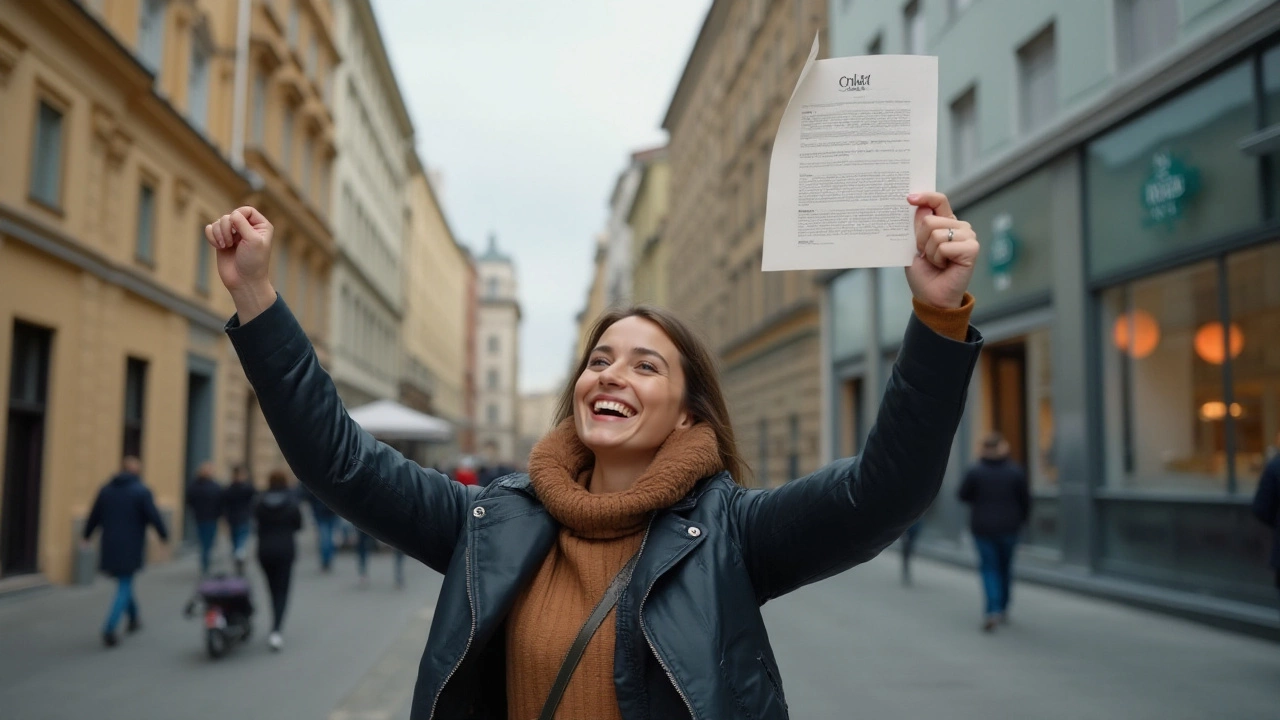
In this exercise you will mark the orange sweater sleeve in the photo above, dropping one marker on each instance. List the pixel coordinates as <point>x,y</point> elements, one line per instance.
<point>947,322</point>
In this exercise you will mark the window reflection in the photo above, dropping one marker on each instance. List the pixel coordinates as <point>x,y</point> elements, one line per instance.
<point>1254,303</point>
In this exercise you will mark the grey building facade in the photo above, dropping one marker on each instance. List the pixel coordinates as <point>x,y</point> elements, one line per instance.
<point>1117,158</point>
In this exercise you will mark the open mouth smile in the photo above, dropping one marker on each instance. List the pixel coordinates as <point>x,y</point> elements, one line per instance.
<point>611,410</point>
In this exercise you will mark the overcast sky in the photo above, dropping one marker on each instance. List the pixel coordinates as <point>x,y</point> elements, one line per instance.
<point>529,110</point>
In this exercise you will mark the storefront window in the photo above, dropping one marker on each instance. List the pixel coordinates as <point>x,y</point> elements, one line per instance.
<point>1271,108</point>
<point>1253,279</point>
<point>1173,179</point>
<point>849,316</point>
<point>1162,389</point>
<point>894,305</point>
<point>1015,227</point>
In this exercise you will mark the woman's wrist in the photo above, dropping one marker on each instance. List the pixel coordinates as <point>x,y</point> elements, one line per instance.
<point>947,322</point>
<point>252,300</point>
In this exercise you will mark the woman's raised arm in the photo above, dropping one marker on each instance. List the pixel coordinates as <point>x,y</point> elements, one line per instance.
<point>419,511</point>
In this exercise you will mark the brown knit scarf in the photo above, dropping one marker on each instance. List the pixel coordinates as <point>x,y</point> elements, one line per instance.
<point>599,533</point>
<point>560,467</point>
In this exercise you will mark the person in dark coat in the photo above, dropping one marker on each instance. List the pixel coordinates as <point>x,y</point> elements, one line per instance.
<point>123,509</point>
<point>325,520</point>
<point>204,497</point>
<point>999,499</point>
<point>279,519</point>
<point>1266,506</point>
<point>237,506</point>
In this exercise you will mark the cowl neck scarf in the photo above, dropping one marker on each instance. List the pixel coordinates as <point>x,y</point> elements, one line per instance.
<point>560,468</point>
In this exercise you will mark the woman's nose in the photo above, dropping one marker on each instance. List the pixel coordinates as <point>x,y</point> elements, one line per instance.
<point>611,376</point>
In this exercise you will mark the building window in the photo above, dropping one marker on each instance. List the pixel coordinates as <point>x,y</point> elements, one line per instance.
<point>304,300</point>
<point>492,379</point>
<point>295,21</point>
<point>204,262</point>
<point>876,46</point>
<point>762,474</point>
<point>964,133</point>
<point>493,344</point>
<point>793,458</point>
<point>913,39</point>
<point>286,138</point>
<point>259,106</point>
<point>308,150</point>
<point>151,34</point>
<point>198,79</point>
<point>1038,81</point>
<point>135,395</point>
<point>492,287</point>
<point>956,7</point>
<point>46,157</point>
<point>491,414</point>
<point>1143,29</point>
<point>144,245</point>
<point>282,265</point>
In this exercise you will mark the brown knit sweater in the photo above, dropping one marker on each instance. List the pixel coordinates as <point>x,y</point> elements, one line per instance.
<point>598,534</point>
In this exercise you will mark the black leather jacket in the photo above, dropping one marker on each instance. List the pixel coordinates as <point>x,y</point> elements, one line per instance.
<point>690,638</point>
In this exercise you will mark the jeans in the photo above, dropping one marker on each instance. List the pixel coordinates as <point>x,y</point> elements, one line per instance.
<point>123,603</point>
<point>995,556</point>
<point>239,536</point>
<point>324,532</point>
<point>279,573</point>
<point>207,532</point>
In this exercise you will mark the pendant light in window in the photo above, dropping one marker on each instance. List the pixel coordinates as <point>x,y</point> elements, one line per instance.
<point>1136,333</point>
<point>1210,346</point>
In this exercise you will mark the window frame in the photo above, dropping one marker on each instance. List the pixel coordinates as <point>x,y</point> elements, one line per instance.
<point>54,204</point>
<point>148,185</point>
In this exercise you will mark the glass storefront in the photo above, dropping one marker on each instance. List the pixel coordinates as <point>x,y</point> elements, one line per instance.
<point>1015,227</point>
<point>850,324</point>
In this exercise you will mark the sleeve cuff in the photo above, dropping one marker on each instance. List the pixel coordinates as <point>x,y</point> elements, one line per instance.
<point>269,344</point>
<point>947,322</point>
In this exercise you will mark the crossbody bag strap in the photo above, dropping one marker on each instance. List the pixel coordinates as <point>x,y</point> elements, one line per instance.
<point>579,646</point>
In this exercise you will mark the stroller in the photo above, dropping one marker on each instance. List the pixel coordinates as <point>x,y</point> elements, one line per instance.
<point>228,612</point>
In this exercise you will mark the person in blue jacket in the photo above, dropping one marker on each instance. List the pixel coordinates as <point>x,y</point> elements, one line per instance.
<point>124,508</point>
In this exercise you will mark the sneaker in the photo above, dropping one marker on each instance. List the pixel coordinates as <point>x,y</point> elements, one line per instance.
<point>989,624</point>
<point>275,641</point>
<point>133,626</point>
<point>109,639</point>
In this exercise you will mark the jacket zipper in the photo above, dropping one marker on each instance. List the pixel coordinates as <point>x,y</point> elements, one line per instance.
<point>644,629</point>
<point>471,636</point>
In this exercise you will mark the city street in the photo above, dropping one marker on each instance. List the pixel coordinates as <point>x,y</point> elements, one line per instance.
<point>860,645</point>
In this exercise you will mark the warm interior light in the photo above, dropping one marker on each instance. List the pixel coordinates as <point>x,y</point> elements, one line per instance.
<point>1209,345</point>
<point>1136,333</point>
<point>1217,410</point>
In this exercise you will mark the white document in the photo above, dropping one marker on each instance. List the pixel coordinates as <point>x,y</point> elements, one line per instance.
<point>859,134</point>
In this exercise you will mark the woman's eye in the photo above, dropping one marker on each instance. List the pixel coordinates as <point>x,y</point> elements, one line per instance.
<point>598,362</point>
<point>648,367</point>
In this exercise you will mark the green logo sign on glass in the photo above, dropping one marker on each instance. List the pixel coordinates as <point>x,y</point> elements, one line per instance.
<point>1004,251</point>
<point>1166,192</point>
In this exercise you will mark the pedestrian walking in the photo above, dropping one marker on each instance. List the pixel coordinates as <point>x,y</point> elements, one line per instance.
<point>204,497</point>
<point>279,518</point>
<point>631,501</point>
<point>1266,506</point>
<point>237,501</point>
<point>123,509</point>
<point>325,519</point>
<point>908,549</point>
<point>999,500</point>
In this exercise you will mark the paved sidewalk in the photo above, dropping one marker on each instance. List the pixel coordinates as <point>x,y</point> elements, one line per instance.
<point>53,664</point>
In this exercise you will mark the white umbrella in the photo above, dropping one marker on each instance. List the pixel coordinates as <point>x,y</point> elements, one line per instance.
<point>389,420</point>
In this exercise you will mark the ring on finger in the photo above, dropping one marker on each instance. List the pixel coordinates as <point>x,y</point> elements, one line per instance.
<point>951,234</point>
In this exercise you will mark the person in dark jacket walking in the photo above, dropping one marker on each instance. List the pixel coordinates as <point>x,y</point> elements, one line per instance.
<point>630,503</point>
<point>999,499</point>
<point>1266,506</point>
<point>204,497</point>
<point>123,509</point>
<point>325,519</point>
<point>279,519</point>
<point>237,506</point>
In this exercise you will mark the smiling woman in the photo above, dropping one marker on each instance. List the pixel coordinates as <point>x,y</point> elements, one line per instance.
<point>622,577</point>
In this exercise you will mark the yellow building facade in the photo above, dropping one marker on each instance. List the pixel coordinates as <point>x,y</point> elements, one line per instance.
<point>438,283</point>
<point>595,303</point>
<point>116,148</point>
<point>648,219</point>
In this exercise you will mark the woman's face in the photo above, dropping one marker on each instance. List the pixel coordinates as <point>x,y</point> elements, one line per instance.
<point>631,394</point>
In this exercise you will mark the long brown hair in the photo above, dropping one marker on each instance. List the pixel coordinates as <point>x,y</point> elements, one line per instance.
<point>702,395</point>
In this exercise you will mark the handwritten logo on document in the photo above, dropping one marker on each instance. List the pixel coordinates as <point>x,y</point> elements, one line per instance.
<point>856,83</point>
